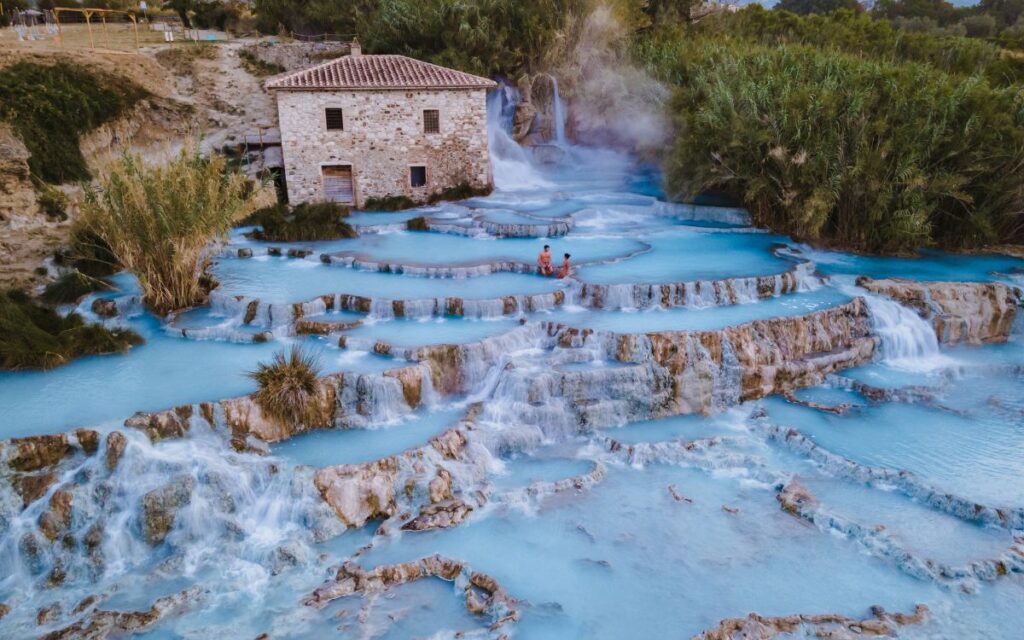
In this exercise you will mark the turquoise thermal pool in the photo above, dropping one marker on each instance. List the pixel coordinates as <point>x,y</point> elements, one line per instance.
<point>701,422</point>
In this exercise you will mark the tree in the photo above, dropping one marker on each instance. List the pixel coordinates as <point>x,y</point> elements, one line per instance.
<point>807,7</point>
<point>980,26</point>
<point>182,8</point>
<point>940,11</point>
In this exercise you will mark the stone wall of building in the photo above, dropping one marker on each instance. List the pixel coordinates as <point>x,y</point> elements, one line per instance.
<point>382,138</point>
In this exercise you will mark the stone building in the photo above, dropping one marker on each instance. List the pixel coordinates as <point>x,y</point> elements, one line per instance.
<point>370,126</point>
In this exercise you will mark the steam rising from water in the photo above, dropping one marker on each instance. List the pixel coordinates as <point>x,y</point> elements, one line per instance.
<point>613,101</point>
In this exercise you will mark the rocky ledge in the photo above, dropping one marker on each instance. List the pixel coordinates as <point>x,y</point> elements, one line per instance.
<point>483,594</point>
<point>971,312</point>
<point>391,486</point>
<point>829,625</point>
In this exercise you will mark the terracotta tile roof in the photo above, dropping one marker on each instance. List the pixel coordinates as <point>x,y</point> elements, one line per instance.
<point>363,72</point>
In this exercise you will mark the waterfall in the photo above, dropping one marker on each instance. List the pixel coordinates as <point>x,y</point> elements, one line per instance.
<point>193,499</point>
<point>559,114</point>
<point>510,164</point>
<point>907,340</point>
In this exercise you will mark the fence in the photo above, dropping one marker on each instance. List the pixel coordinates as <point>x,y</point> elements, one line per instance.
<point>87,28</point>
<point>324,37</point>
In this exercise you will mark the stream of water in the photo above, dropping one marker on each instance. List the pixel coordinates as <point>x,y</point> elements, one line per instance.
<point>600,519</point>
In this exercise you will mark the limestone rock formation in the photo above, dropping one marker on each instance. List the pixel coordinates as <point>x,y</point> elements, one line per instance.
<point>758,627</point>
<point>972,312</point>
<point>160,508</point>
<point>483,594</point>
<point>116,443</point>
<point>102,624</point>
<point>36,452</point>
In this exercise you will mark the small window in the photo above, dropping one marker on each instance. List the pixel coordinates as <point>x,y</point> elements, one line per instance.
<point>335,121</point>
<point>431,121</point>
<point>418,176</point>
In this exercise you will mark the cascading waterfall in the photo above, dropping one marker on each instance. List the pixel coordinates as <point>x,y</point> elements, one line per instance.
<point>907,341</point>
<point>559,108</point>
<point>512,168</point>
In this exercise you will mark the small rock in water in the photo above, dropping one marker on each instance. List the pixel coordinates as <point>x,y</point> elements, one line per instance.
<point>245,252</point>
<point>728,509</point>
<point>104,307</point>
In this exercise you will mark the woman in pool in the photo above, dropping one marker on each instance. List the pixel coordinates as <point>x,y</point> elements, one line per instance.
<point>565,267</point>
<point>544,267</point>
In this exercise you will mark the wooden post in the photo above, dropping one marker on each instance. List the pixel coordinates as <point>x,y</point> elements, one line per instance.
<point>60,34</point>
<point>103,17</point>
<point>135,27</point>
<point>88,25</point>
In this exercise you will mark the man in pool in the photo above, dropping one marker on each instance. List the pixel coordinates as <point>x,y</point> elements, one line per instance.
<point>565,267</point>
<point>544,267</point>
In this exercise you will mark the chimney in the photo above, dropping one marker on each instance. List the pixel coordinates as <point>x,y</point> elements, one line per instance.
<point>354,49</point>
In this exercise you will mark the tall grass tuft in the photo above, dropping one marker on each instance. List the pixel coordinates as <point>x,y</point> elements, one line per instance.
<point>157,221</point>
<point>288,386</point>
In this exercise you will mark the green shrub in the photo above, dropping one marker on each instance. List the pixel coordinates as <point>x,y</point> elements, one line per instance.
<point>419,223</point>
<point>304,222</point>
<point>88,254</point>
<point>72,287</point>
<point>874,156</point>
<point>53,201</point>
<point>461,191</point>
<point>388,203</point>
<point>288,387</point>
<point>50,106</point>
<point>157,221</point>
<point>256,66</point>
<point>36,337</point>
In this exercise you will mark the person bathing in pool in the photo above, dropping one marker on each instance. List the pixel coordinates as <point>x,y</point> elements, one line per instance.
<point>544,267</point>
<point>565,267</point>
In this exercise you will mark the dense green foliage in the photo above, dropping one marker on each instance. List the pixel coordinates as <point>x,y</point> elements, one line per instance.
<point>33,336</point>
<point>157,221</point>
<point>50,106</point>
<point>479,36</point>
<point>304,222</point>
<point>807,7</point>
<point>858,33</point>
<point>873,155</point>
<point>288,386</point>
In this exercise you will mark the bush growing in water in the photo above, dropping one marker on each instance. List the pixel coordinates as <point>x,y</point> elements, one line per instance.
<point>157,221</point>
<point>288,387</point>
<point>317,221</point>
<point>875,156</point>
<point>388,203</point>
<point>36,337</point>
<point>419,223</point>
<point>50,106</point>
<point>461,191</point>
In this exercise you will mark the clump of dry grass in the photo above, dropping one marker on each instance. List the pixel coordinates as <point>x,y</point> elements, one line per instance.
<point>288,386</point>
<point>157,221</point>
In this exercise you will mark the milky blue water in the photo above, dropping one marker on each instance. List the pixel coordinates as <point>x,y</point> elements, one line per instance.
<point>295,280</point>
<point>351,446</point>
<point>650,540</point>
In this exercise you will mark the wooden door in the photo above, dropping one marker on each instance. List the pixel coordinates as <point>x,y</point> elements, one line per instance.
<point>338,184</point>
